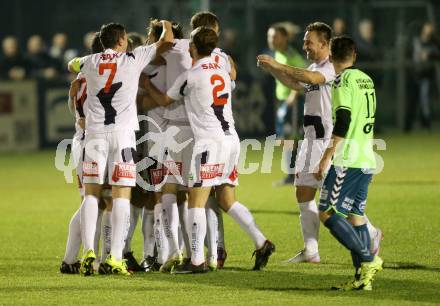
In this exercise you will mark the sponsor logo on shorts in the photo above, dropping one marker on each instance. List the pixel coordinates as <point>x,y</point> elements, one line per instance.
<point>90,169</point>
<point>234,174</point>
<point>124,170</point>
<point>172,168</point>
<point>156,176</point>
<point>347,204</point>
<point>208,172</point>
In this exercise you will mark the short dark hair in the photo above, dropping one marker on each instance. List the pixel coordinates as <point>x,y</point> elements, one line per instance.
<point>324,30</point>
<point>156,28</point>
<point>280,29</point>
<point>111,33</point>
<point>96,44</point>
<point>205,39</point>
<point>342,48</point>
<point>204,19</point>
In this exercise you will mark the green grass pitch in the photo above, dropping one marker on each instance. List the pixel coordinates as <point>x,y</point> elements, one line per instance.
<point>36,205</point>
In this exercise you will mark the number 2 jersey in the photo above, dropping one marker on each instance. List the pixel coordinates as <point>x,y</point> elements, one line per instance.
<point>112,83</point>
<point>179,61</point>
<point>206,89</point>
<point>318,122</point>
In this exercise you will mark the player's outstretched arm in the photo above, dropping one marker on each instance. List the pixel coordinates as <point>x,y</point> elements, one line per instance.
<point>294,74</point>
<point>165,41</point>
<point>155,94</point>
<point>269,64</point>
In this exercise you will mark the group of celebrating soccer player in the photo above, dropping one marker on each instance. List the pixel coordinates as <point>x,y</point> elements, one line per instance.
<point>179,172</point>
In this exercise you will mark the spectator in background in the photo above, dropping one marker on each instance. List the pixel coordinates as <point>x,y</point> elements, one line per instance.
<point>426,49</point>
<point>366,46</point>
<point>278,38</point>
<point>13,65</point>
<point>59,50</point>
<point>339,27</point>
<point>41,63</point>
<point>87,43</point>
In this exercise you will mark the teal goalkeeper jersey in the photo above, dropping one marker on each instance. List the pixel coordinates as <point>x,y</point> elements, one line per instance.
<point>354,90</point>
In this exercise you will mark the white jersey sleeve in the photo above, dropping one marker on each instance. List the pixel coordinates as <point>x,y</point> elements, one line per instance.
<point>143,55</point>
<point>222,59</point>
<point>178,60</point>
<point>178,90</point>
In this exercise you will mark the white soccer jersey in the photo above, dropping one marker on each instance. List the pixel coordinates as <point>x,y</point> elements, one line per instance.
<point>206,89</point>
<point>317,107</point>
<point>112,83</point>
<point>178,61</point>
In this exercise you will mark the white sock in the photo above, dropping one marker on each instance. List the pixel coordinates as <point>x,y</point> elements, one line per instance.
<point>106,234</point>
<point>89,215</point>
<point>120,224</point>
<point>309,219</point>
<point>73,239</point>
<point>148,232</point>
<point>171,222</point>
<point>221,229</point>
<point>244,218</point>
<point>159,235</point>
<point>197,227</point>
<point>183,217</point>
<point>135,213</point>
<point>211,228</point>
<point>97,231</point>
<point>371,229</point>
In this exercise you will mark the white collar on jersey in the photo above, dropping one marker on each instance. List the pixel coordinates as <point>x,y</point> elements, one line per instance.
<point>323,61</point>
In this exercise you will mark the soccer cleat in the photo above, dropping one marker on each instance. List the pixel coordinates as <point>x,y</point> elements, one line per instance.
<point>102,269</point>
<point>86,268</point>
<point>132,264</point>
<point>302,257</point>
<point>262,255</point>
<point>116,267</point>
<point>189,268</point>
<point>66,268</point>
<point>375,242</point>
<point>221,257</point>
<point>352,285</point>
<point>212,264</point>
<point>150,264</point>
<point>171,263</point>
<point>368,271</point>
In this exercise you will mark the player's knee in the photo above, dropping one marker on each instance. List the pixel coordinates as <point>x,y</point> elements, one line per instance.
<point>324,215</point>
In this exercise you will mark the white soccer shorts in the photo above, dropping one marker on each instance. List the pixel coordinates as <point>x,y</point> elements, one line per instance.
<point>110,154</point>
<point>307,162</point>
<point>214,162</point>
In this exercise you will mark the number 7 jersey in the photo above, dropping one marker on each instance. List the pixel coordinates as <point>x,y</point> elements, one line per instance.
<point>206,89</point>
<point>112,83</point>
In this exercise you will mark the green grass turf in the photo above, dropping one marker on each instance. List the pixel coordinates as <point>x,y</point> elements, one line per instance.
<point>36,205</point>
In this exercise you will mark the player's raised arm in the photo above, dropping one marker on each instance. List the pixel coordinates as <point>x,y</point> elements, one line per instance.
<point>165,41</point>
<point>288,73</point>
<point>269,64</point>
